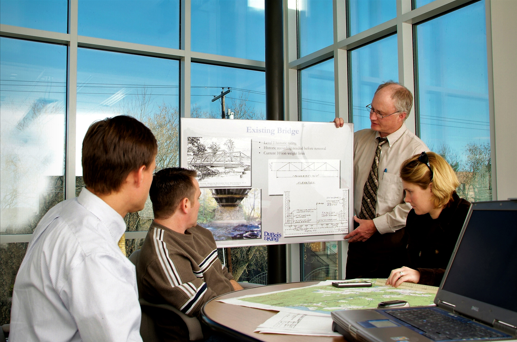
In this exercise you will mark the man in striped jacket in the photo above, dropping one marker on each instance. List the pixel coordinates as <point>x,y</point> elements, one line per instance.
<point>178,262</point>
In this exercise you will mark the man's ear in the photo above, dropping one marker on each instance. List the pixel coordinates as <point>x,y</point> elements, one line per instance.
<point>139,175</point>
<point>136,177</point>
<point>185,205</point>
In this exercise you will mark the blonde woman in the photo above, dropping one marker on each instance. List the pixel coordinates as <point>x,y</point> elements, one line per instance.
<point>435,221</point>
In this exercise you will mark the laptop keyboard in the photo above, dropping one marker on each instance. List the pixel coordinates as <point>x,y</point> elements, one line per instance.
<point>437,326</point>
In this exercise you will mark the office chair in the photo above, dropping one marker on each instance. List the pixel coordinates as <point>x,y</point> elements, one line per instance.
<point>4,333</point>
<point>148,328</point>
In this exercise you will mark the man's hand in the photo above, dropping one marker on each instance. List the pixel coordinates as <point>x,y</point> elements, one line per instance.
<point>339,122</point>
<point>236,286</point>
<point>403,274</point>
<point>362,233</point>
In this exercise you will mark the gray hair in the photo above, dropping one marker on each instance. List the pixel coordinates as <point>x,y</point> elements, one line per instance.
<point>402,97</point>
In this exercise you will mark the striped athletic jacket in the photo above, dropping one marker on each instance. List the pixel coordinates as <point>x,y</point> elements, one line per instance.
<point>182,270</point>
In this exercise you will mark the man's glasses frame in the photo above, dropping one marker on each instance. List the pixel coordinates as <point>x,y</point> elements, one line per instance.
<point>424,159</point>
<point>379,115</point>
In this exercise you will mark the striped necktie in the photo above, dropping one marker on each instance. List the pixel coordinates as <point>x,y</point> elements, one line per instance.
<point>372,184</point>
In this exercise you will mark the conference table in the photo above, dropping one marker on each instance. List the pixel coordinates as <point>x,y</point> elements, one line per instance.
<point>239,322</point>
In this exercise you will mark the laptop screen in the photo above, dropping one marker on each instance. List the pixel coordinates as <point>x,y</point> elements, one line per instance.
<point>485,264</point>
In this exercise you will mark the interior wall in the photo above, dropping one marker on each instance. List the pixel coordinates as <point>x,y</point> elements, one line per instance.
<point>502,60</point>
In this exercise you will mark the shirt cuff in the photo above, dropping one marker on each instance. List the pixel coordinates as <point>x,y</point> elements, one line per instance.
<point>427,276</point>
<point>381,223</point>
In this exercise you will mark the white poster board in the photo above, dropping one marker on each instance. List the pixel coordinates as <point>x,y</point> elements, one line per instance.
<point>271,182</point>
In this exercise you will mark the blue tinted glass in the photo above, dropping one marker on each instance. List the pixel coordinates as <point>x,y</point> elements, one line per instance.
<point>32,123</point>
<point>233,28</point>
<point>317,92</point>
<point>365,14</point>
<point>146,88</point>
<point>246,99</point>
<point>314,25</point>
<point>149,22</point>
<point>453,92</point>
<point>49,15</point>
<point>370,66</point>
<point>420,3</point>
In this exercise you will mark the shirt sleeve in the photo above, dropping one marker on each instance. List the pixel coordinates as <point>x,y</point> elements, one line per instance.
<point>171,277</point>
<point>392,220</point>
<point>226,273</point>
<point>102,296</point>
<point>431,276</point>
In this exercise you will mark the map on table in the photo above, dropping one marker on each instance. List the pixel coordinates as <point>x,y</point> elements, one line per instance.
<point>323,298</point>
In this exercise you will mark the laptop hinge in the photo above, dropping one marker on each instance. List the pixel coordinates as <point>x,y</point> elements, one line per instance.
<point>506,327</point>
<point>447,306</point>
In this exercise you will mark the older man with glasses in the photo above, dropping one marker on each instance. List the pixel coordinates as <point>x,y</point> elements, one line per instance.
<point>377,243</point>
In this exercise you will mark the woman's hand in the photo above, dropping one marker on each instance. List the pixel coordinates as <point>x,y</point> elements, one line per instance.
<point>400,275</point>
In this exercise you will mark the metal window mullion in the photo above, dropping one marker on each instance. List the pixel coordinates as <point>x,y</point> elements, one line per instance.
<point>186,61</point>
<point>405,56</point>
<point>291,53</point>
<point>71,102</point>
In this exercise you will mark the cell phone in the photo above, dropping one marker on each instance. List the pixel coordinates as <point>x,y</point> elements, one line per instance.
<point>353,283</point>
<point>393,304</point>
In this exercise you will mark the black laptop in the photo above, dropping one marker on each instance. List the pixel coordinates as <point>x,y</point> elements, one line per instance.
<point>477,299</point>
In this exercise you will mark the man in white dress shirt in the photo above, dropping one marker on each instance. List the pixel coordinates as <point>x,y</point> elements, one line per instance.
<point>74,283</point>
<point>378,242</point>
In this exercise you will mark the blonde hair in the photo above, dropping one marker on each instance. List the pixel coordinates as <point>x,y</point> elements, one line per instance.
<point>444,178</point>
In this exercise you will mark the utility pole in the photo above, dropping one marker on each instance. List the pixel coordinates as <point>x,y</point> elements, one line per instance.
<point>221,96</point>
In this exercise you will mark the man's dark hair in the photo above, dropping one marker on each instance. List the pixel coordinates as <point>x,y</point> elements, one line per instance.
<point>114,147</point>
<point>170,186</point>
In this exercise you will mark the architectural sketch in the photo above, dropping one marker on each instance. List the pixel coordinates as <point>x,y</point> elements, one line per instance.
<point>315,212</point>
<point>232,213</point>
<point>220,162</point>
<point>289,174</point>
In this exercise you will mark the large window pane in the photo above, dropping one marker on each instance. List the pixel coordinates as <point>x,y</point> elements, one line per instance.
<point>319,260</point>
<point>420,3</point>
<point>246,99</point>
<point>32,102</point>
<point>453,95</point>
<point>110,84</point>
<point>246,264</point>
<point>317,92</point>
<point>150,22</point>
<point>370,66</point>
<point>365,14</point>
<point>35,14</point>
<point>314,25</point>
<point>233,28</point>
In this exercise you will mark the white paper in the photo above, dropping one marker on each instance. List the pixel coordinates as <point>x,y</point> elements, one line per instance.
<point>315,211</point>
<point>289,174</point>
<point>290,323</point>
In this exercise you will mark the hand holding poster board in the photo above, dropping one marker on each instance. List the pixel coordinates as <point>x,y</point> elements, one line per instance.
<point>271,182</point>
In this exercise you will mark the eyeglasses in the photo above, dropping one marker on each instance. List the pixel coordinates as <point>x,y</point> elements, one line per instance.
<point>379,115</point>
<point>424,159</point>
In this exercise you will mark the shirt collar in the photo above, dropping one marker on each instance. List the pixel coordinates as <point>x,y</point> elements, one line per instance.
<point>107,215</point>
<point>395,135</point>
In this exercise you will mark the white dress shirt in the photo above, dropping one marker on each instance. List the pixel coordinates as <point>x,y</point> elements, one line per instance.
<point>74,283</point>
<point>391,210</point>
